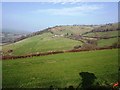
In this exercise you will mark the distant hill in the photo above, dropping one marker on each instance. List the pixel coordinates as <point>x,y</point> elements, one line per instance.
<point>65,37</point>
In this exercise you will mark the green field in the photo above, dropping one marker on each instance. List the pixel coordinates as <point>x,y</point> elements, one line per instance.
<point>103,34</point>
<point>41,43</point>
<point>57,38</point>
<point>61,70</point>
<point>107,42</point>
<point>71,29</point>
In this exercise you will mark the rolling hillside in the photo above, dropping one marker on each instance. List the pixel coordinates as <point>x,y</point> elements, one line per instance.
<point>71,29</point>
<point>41,43</point>
<point>65,38</point>
<point>63,70</point>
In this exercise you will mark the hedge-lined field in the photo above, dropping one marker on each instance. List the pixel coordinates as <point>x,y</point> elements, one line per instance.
<point>107,42</point>
<point>64,38</point>
<point>61,70</point>
<point>41,43</point>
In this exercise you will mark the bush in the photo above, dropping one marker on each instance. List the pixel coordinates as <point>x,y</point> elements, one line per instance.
<point>77,47</point>
<point>88,46</point>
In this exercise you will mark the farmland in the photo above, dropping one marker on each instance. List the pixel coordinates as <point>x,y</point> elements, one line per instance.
<point>61,70</point>
<point>41,43</point>
<point>60,45</point>
<point>64,38</point>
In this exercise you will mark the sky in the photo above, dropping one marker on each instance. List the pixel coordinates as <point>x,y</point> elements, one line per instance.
<point>35,16</point>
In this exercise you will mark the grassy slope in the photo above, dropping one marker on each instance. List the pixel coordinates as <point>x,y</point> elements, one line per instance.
<point>71,29</point>
<point>107,42</point>
<point>61,70</point>
<point>110,33</point>
<point>41,43</point>
<point>45,42</point>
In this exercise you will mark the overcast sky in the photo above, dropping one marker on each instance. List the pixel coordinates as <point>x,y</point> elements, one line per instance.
<point>28,16</point>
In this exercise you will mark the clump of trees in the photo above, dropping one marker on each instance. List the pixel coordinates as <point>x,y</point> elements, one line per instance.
<point>87,46</point>
<point>90,45</point>
<point>77,47</point>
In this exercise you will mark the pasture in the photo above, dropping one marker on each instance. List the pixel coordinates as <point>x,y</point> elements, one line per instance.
<point>61,70</point>
<point>59,38</point>
<point>41,43</point>
<point>107,42</point>
<point>103,34</point>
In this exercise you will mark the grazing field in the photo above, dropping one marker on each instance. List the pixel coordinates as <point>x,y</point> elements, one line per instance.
<point>41,43</point>
<point>107,42</point>
<point>71,29</point>
<point>64,37</point>
<point>61,70</point>
<point>103,34</point>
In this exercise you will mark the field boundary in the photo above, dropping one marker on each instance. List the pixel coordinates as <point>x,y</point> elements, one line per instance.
<point>54,52</point>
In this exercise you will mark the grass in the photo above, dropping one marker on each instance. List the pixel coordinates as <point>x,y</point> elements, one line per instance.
<point>102,34</point>
<point>47,42</point>
<point>41,43</point>
<point>71,29</point>
<point>107,42</point>
<point>61,70</point>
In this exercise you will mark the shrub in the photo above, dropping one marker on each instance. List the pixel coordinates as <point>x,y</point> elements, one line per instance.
<point>77,47</point>
<point>88,46</point>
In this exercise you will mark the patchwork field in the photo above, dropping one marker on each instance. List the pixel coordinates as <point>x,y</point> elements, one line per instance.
<point>65,38</point>
<point>108,42</point>
<point>65,69</point>
<point>103,34</point>
<point>61,70</point>
<point>71,29</point>
<point>41,43</point>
